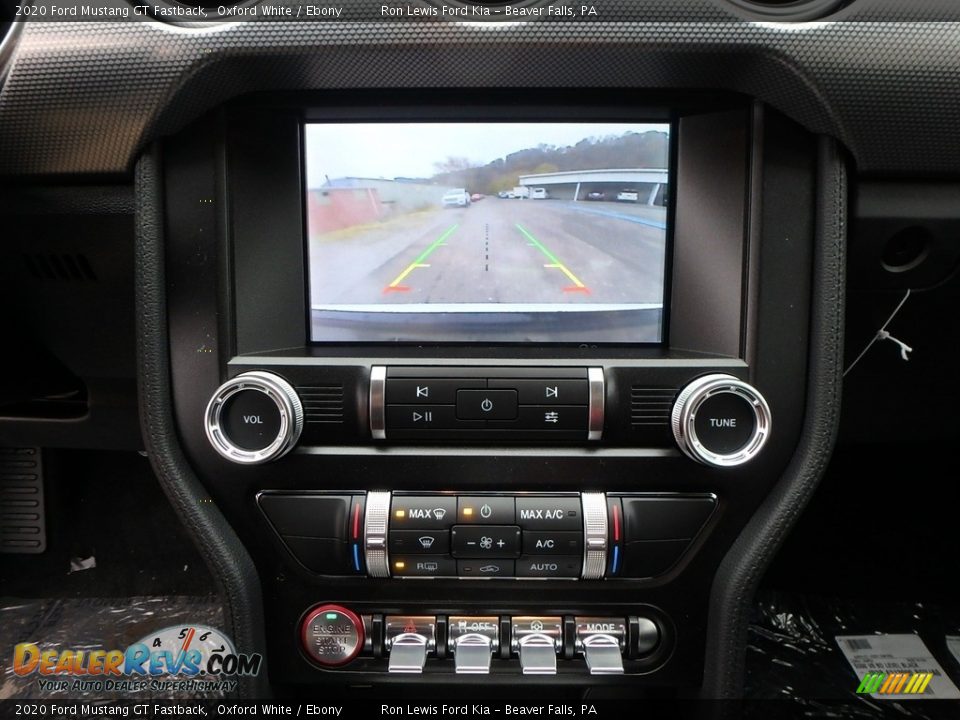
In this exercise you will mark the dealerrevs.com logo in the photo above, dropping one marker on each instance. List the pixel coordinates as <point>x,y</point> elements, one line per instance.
<point>194,658</point>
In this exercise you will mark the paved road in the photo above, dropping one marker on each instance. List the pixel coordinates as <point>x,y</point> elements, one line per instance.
<point>497,251</point>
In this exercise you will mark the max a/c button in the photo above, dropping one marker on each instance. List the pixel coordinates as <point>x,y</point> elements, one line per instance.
<point>549,513</point>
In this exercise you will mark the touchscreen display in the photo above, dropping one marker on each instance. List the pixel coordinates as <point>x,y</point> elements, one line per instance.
<point>487,232</point>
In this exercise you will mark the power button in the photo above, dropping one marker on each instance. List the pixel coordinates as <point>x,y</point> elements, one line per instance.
<point>331,635</point>
<point>487,404</point>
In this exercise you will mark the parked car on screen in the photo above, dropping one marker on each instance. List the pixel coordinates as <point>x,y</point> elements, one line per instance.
<point>456,198</point>
<point>539,194</point>
<point>628,196</point>
<point>475,197</point>
<point>596,195</point>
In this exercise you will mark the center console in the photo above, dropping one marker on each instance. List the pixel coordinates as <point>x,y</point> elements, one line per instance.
<point>489,389</point>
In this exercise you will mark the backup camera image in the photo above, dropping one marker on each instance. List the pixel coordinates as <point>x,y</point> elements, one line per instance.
<point>487,232</point>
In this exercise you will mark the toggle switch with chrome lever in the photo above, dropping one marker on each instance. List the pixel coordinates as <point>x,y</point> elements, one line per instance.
<point>473,640</point>
<point>601,641</point>
<point>409,639</point>
<point>537,640</point>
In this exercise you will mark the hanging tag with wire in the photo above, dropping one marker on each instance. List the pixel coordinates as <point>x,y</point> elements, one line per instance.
<point>883,334</point>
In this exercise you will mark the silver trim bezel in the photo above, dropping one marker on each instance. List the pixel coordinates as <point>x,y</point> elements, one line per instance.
<point>597,404</point>
<point>376,525</point>
<point>283,396</point>
<point>378,390</point>
<point>594,508</point>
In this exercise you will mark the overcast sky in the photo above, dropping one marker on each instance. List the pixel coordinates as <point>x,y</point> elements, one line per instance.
<point>411,149</point>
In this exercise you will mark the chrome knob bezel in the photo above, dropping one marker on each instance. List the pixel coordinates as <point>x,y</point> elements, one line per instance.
<point>283,396</point>
<point>691,399</point>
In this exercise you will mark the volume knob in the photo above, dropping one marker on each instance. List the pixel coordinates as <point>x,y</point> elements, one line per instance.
<point>254,418</point>
<point>720,420</point>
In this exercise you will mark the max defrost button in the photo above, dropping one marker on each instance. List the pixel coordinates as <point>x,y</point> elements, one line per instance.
<point>487,404</point>
<point>422,512</point>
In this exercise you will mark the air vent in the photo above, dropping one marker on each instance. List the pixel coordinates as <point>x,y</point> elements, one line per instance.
<point>22,522</point>
<point>322,404</point>
<point>790,10</point>
<point>651,406</point>
<point>65,267</point>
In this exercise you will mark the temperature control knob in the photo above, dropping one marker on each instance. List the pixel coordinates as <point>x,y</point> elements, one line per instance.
<point>253,418</point>
<point>720,420</point>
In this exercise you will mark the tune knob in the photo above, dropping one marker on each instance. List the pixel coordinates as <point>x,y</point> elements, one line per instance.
<point>720,420</point>
<point>254,418</point>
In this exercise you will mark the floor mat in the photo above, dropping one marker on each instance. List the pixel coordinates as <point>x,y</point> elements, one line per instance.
<point>94,624</point>
<point>795,659</point>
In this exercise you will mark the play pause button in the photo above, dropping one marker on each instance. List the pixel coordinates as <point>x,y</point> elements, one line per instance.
<point>420,417</point>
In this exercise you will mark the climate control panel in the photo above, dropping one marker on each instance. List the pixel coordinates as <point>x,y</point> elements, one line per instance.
<point>543,536</point>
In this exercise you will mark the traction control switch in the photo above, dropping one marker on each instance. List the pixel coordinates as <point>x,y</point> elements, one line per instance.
<point>537,640</point>
<point>473,640</point>
<point>409,639</point>
<point>602,641</point>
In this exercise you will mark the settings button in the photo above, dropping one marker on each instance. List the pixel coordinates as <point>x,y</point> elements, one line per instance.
<point>548,417</point>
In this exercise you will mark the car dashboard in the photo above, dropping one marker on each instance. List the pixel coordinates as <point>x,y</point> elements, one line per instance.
<point>481,348</point>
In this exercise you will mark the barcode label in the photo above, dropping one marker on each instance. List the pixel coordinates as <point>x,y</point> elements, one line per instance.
<point>895,668</point>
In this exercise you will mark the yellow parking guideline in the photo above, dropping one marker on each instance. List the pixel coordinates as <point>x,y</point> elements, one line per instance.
<point>555,261</point>
<point>418,263</point>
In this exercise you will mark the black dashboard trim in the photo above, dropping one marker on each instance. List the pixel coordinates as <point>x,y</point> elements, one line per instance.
<point>736,581</point>
<point>226,557</point>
